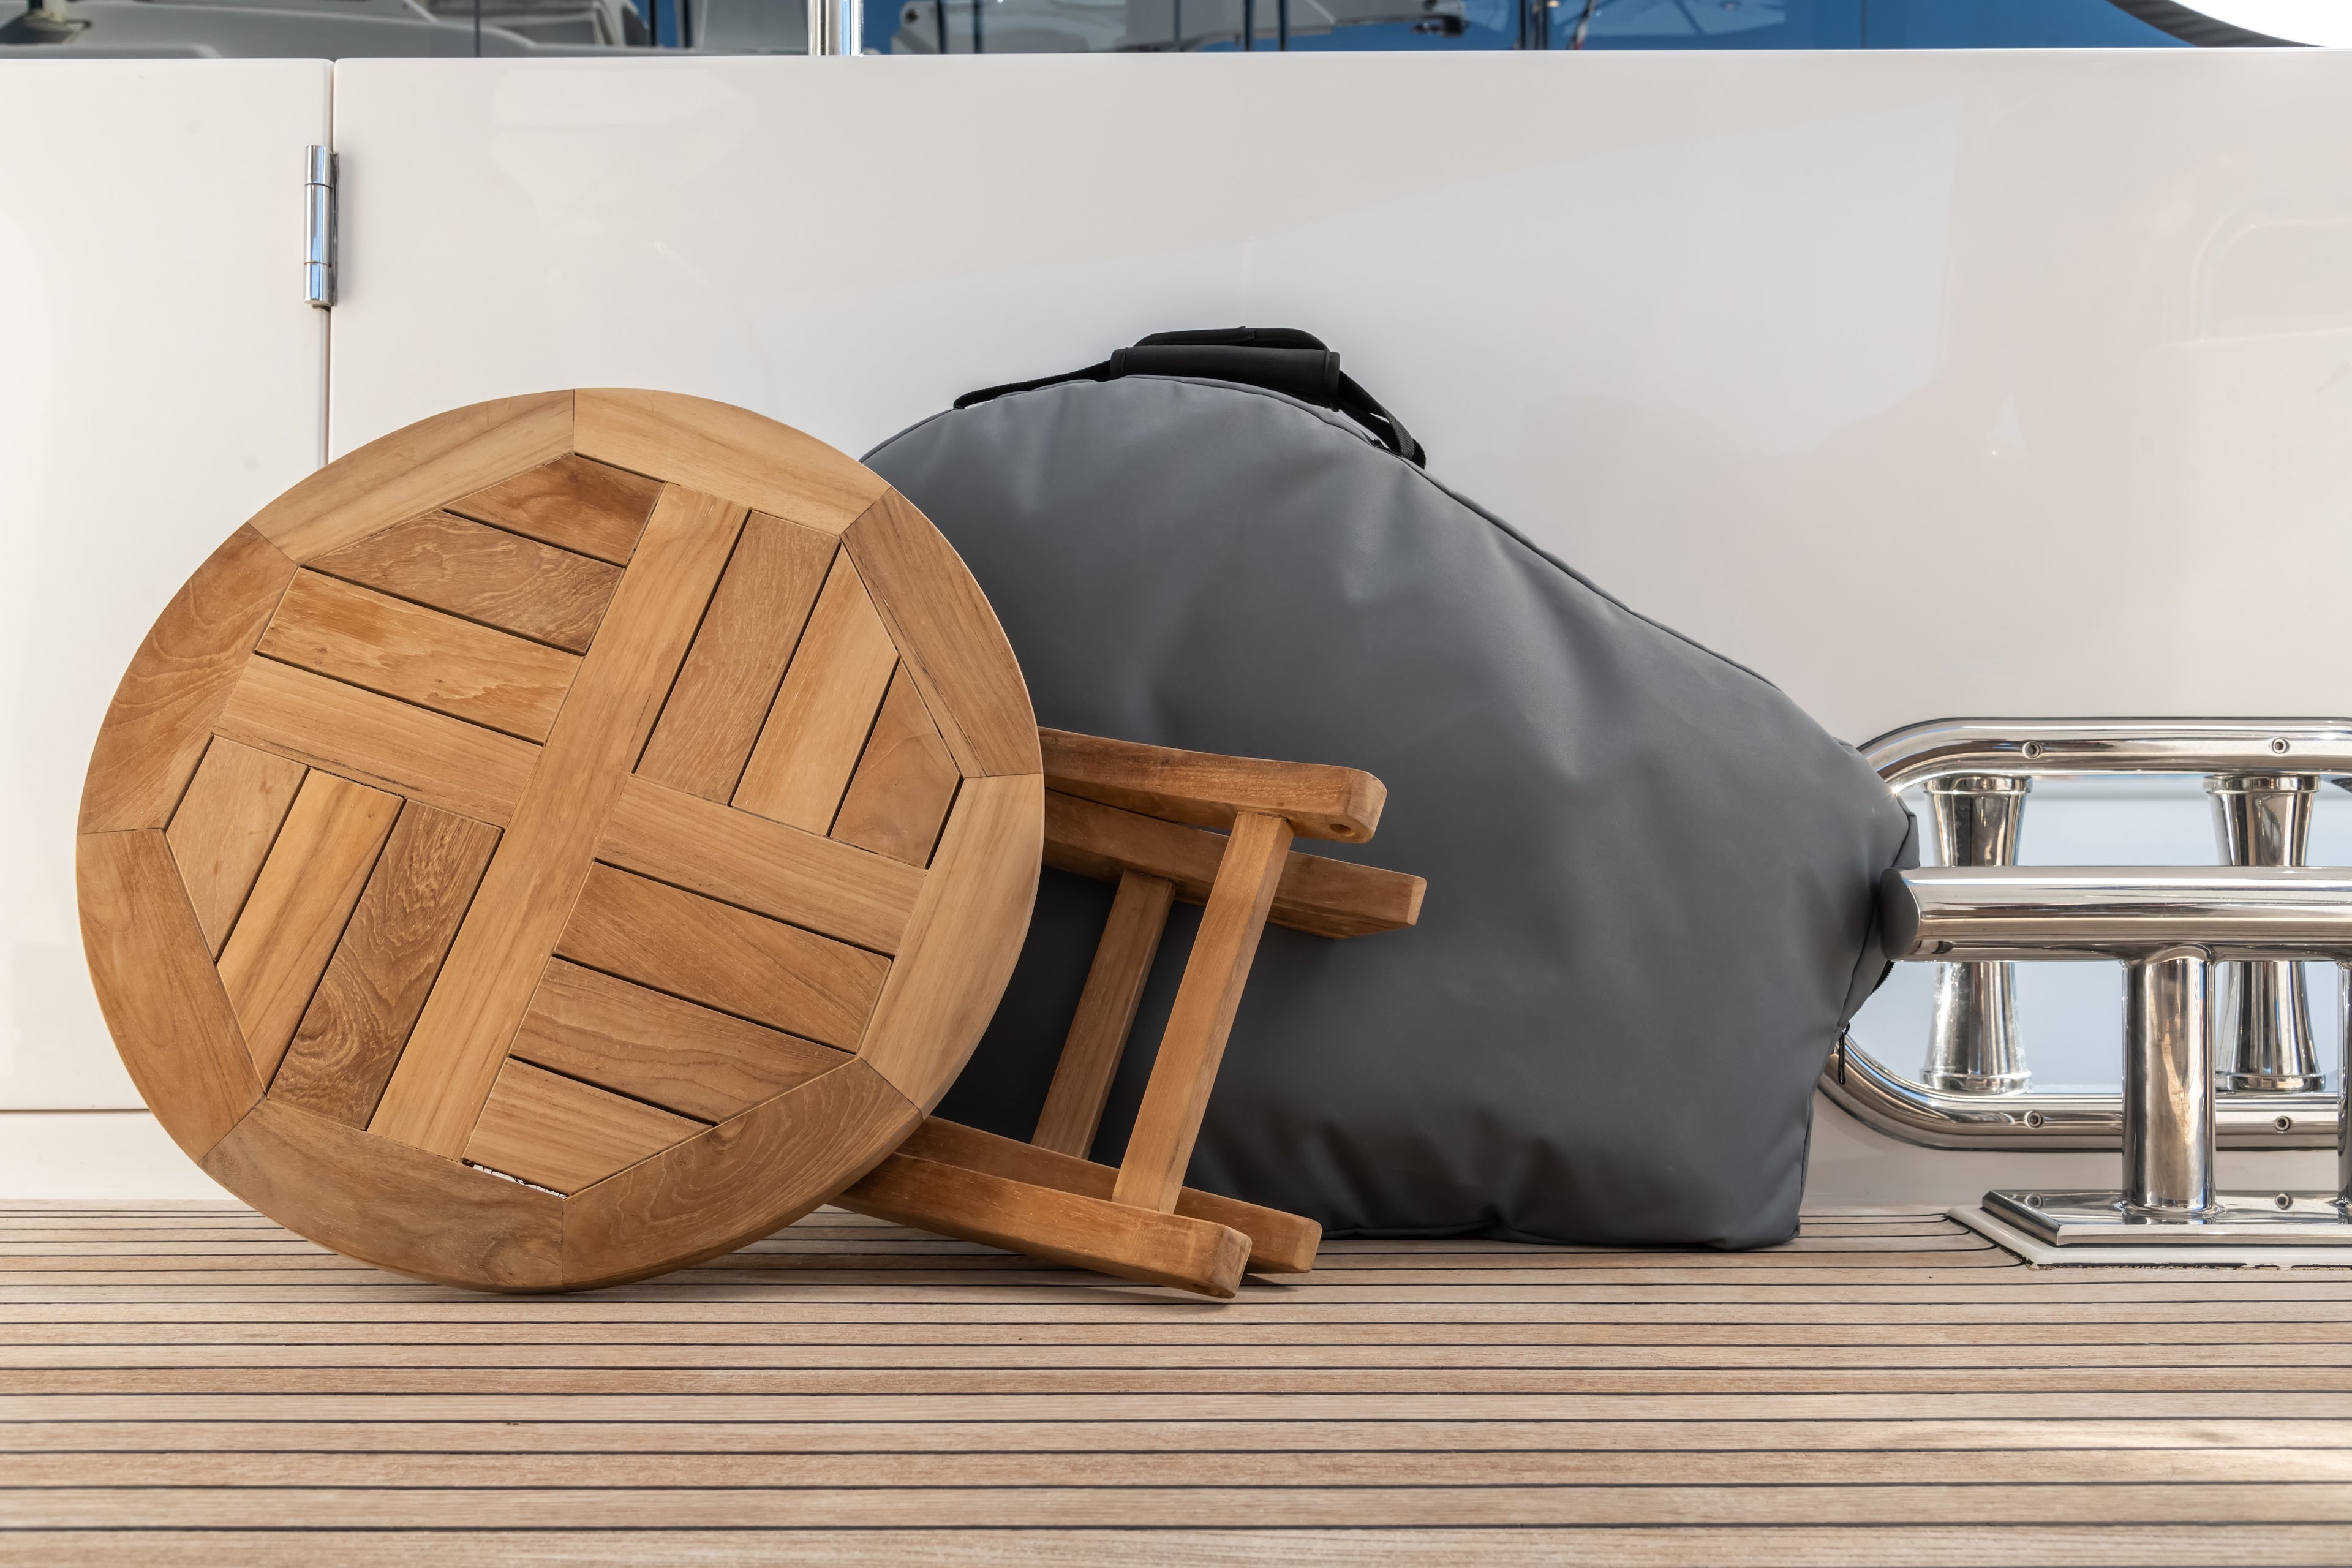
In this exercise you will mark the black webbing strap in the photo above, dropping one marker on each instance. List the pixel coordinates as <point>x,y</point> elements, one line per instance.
<point>1279,359</point>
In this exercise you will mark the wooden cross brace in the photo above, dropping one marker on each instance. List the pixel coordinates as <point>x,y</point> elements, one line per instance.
<point>1135,813</point>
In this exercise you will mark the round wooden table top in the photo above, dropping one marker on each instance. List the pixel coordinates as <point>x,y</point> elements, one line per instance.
<point>565,839</point>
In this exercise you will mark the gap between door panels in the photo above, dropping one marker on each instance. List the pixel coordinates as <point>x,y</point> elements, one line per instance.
<point>326,329</point>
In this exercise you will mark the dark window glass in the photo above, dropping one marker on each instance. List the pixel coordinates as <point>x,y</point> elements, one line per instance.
<point>340,29</point>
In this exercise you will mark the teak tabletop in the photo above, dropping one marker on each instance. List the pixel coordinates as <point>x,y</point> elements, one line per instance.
<point>563,840</point>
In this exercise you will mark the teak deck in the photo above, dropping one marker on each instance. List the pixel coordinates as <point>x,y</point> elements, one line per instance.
<point>191,1384</point>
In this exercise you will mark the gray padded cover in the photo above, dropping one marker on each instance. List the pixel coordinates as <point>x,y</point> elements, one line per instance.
<point>1651,875</point>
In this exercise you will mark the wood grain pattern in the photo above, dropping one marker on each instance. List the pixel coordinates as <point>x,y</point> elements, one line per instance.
<point>455,1052</point>
<point>156,728</point>
<point>313,877</point>
<point>726,451</point>
<point>1316,894</point>
<point>1065,1227</point>
<point>389,1205</point>
<point>571,503</point>
<point>163,999</point>
<point>829,887</point>
<point>480,659</point>
<point>737,1182</point>
<point>948,636</point>
<point>1106,1015</point>
<point>1513,1524</point>
<point>905,781</point>
<point>445,762</point>
<point>399,650</point>
<point>414,469</point>
<point>359,1019</point>
<point>555,1132</point>
<point>723,957</point>
<point>483,574</point>
<point>928,1455</point>
<point>809,746</point>
<point>190,1381</point>
<point>1280,1243</point>
<point>1206,790</point>
<point>1193,1043</point>
<point>962,938</point>
<point>722,697</point>
<point>224,826</point>
<point>707,1065</point>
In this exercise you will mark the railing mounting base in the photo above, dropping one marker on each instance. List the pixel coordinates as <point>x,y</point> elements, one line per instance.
<point>2090,1221</point>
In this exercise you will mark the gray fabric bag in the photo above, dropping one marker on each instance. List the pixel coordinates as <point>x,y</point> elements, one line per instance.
<point>1651,876</point>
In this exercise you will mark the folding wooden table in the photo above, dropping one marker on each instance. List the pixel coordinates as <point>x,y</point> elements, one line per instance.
<point>575,836</point>
<point>564,839</point>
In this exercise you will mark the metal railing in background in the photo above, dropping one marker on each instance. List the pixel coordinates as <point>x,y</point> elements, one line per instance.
<point>835,26</point>
<point>1974,1090</point>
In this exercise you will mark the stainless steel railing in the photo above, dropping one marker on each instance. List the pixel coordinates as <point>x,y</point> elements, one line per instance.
<point>835,26</point>
<point>1974,1090</point>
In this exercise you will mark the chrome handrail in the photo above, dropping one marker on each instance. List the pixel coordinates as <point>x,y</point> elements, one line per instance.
<point>1903,1108</point>
<point>1949,1118</point>
<point>1941,748</point>
<point>1995,914</point>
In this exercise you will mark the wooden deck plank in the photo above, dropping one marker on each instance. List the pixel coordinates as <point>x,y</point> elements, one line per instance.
<point>711,1507</point>
<point>2319,1390</point>
<point>479,1342</point>
<point>1151,1406</point>
<point>1609,1546</point>
<point>997,1279</point>
<point>844,1348</point>
<point>194,1466</point>
<point>1503,1437</point>
<point>188,1383</point>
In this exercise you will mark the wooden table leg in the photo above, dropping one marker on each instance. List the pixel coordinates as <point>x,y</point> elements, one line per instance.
<point>1106,1015</point>
<point>1279,1243</point>
<point>1050,1223</point>
<point>1193,1044</point>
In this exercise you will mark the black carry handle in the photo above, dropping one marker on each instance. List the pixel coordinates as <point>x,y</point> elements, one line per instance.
<point>1279,359</point>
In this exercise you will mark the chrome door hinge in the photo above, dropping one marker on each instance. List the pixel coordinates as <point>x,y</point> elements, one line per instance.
<point>319,228</point>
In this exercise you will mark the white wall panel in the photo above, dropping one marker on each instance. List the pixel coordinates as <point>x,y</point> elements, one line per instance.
<point>101,1156</point>
<point>160,379</point>
<point>1923,383</point>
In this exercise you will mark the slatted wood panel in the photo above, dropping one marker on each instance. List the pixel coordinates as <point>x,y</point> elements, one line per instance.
<point>461,873</point>
<point>905,781</point>
<point>358,1020</point>
<point>191,1384</point>
<point>484,574</point>
<point>721,700</point>
<point>223,827</point>
<point>826,709</point>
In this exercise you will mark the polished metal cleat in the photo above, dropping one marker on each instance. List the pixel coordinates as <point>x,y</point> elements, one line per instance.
<point>2170,928</point>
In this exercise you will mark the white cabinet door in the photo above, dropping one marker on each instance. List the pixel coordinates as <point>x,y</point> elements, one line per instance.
<point>160,379</point>
<point>1923,383</point>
